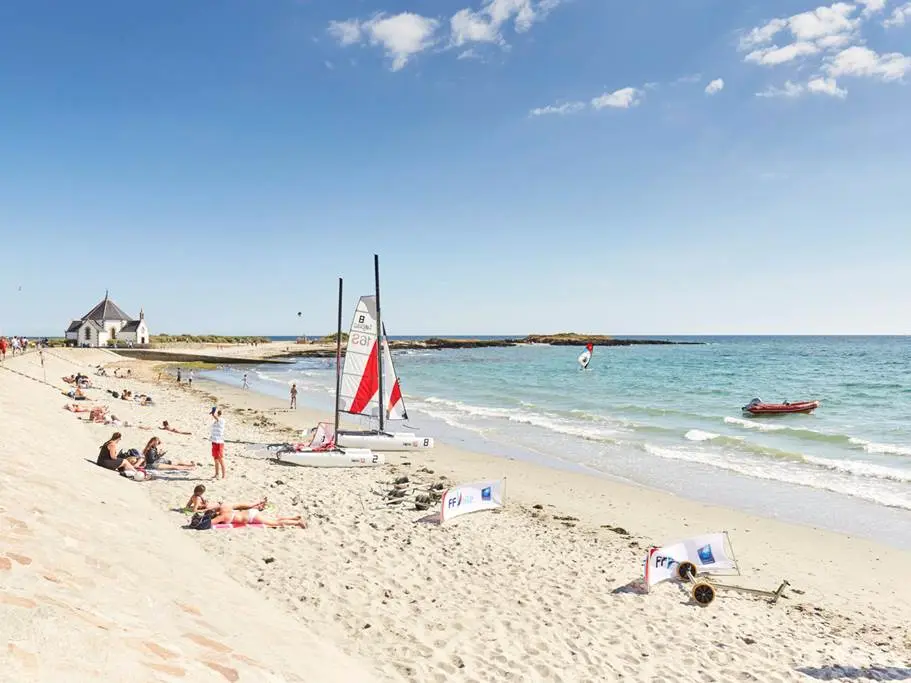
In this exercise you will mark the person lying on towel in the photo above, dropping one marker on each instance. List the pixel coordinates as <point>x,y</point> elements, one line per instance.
<point>243,515</point>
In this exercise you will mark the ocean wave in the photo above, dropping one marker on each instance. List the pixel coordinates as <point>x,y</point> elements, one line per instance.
<point>813,435</point>
<point>881,448</point>
<point>699,435</point>
<point>857,487</point>
<point>547,421</point>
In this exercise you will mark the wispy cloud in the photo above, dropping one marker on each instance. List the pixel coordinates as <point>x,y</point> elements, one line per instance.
<point>900,16</point>
<point>862,61</point>
<point>624,98</point>
<point>831,38</point>
<point>619,99</point>
<point>715,86</point>
<point>407,34</point>
<point>401,35</point>
<point>789,90</point>
<point>558,109</point>
<point>815,86</point>
<point>826,86</point>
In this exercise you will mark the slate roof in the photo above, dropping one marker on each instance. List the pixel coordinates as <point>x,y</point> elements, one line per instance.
<point>75,325</point>
<point>106,310</point>
<point>132,326</point>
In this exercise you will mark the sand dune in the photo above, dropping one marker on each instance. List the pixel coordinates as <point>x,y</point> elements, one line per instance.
<point>543,590</point>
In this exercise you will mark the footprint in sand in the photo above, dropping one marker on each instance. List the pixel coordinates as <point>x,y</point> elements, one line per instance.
<point>20,559</point>
<point>228,673</point>
<point>17,601</point>
<point>207,642</point>
<point>24,657</point>
<point>167,669</point>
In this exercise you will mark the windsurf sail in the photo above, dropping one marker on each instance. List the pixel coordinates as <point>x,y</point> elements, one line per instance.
<point>360,373</point>
<point>586,356</point>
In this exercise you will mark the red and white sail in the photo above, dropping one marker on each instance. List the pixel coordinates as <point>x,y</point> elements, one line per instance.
<point>360,373</point>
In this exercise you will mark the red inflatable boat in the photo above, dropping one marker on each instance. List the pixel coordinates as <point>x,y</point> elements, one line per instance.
<point>757,407</point>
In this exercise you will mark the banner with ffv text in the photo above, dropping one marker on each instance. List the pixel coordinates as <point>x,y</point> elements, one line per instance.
<point>708,552</point>
<point>465,498</point>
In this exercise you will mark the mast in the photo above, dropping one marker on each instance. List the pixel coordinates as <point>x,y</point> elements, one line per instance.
<point>380,356</point>
<point>338,359</point>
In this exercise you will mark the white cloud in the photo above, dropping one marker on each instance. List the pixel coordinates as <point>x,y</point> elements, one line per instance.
<point>689,78</point>
<point>826,27</point>
<point>862,61</point>
<point>789,90</point>
<point>485,24</point>
<point>468,54</point>
<point>816,86</point>
<point>770,56</point>
<point>872,6</point>
<point>346,32</point>
<point>900,15</point>
<point>559,109</point>
<point>619,99</point>
<point>401,35</point>
<point>826,86</point>
<point>715,86</point>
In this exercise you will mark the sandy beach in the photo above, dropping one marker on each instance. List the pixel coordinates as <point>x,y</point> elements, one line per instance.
<point>545,589</point>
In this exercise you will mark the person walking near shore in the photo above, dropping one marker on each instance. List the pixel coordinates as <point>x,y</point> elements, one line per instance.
<point>217,437</point>
<point>2,349</point>
<point>293,396</point>
<point>246,386</point>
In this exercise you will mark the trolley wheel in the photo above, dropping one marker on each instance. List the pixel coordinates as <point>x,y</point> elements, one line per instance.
<point>703,593</point>
<point>686,570</point>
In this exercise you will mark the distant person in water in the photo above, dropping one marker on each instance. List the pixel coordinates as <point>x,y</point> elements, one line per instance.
<point>178,375</point>
<point>293,396</point>
<point>246,386</point>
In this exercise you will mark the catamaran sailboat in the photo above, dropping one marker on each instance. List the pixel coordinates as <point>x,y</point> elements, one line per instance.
<point>323,449</point>
<point>365,379</point>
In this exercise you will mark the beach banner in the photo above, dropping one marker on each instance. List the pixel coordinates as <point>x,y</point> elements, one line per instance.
<point>708,552</point>
<point>465,498</point>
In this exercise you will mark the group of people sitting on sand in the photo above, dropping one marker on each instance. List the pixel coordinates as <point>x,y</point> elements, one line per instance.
<point>127,395</point>
<point>78,380</point>
<point>240,514</point>
<point>132,463</point>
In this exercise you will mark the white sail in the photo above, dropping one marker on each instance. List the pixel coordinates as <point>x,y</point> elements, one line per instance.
<point>360,378</point>
<point>395,402</point>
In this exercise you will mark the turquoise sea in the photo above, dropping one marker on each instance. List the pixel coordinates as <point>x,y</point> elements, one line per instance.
<point>669,417</point>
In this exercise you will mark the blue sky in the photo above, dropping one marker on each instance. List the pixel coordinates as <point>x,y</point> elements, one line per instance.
<point>519,165</point>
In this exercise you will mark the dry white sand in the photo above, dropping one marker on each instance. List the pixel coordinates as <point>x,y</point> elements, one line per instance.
<point>541,590</point>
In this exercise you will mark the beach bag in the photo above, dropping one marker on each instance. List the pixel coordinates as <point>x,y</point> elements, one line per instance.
<point>201,522</point>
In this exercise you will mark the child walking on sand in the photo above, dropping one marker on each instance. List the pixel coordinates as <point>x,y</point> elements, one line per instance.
<point>217,437</point>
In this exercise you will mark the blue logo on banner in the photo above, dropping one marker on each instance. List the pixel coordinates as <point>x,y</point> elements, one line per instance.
<point>485,493</point>
<point>705,554</point>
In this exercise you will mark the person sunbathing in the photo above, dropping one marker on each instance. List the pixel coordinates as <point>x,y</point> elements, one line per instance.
<point>168,428</point>
<point>155,460</point>
<point>244,515</point>
<point>76,408</point>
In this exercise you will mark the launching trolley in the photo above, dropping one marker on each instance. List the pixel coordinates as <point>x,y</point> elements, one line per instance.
<point>705,586</point>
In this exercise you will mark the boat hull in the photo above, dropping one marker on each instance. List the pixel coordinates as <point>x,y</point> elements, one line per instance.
<point>394,442</point>
<point>350,457</point>
<point>781,408</point>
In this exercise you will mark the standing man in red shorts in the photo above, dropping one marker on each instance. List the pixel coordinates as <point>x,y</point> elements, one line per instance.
<point>217,438</point>
<point>2,348</point>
